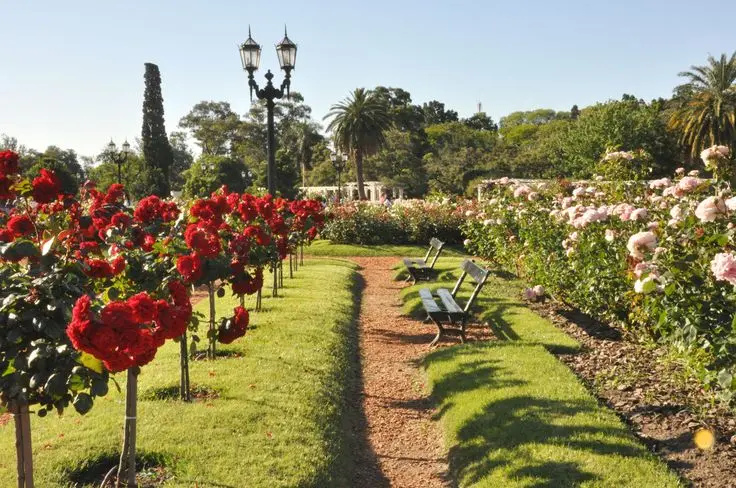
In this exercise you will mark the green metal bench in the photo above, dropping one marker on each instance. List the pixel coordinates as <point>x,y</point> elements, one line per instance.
<point>421,269</point>
<point>447,311</point>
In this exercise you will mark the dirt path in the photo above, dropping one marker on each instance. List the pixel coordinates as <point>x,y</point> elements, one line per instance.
<point>403,441</point>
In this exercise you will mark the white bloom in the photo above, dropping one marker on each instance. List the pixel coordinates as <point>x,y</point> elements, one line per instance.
<point>647,285</point>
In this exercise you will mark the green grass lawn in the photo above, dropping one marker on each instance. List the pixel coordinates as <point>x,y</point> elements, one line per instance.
<point>280,419</point>
<point>327,248</point>
<point>515,416</point>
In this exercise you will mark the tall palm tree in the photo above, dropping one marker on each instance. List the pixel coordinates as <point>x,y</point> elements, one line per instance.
<point>706,114</point>
<point>357,125</point>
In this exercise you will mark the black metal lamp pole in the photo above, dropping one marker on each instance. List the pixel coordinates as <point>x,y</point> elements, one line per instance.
<point>338,162</point>
<point>250,56</point>
<point>118,157</point>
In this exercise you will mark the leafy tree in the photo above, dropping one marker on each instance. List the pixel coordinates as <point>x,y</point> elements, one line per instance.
<point>182,160</point>
<point>480,121</point>
<point>628,124</point>
<point>157,152</point>
<point>434,113</point>
<point>404,115</point>
<point>574,112</point>
<point>213,125</point>
<point>450,170</point>
<point>707,105</point>
<point>357,124</point>
<point>210,172</point>
<point>397,164</point>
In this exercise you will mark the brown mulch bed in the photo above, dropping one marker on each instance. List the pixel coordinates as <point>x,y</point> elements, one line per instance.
<point>402,438</point>
<point>663,406</point>
<point>5,418</point>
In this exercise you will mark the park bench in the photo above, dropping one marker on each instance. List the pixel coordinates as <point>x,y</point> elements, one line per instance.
<point>421,268</point>
<point>448,311</point>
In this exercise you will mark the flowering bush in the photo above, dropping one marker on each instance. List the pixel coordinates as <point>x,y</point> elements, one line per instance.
<point>657,257</point>
<point>405,222</point>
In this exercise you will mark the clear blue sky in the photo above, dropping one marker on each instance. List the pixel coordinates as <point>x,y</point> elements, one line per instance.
<point>72,72</point>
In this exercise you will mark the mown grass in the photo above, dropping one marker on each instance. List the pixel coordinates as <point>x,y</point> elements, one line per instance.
<point>280,418</point>
<point>327,248</point>
<point>514,416</point>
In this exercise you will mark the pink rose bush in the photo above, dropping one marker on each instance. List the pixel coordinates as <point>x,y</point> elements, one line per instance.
<point>657,257</point>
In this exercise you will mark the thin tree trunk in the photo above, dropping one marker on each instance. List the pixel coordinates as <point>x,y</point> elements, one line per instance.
<point>304,173</point>
<point>24,453</point>
<point>211,334</point>
<point>184,391</point>
<point>258,299</point>
<point>275,291</point>
<point>359,174</point>
<point>127,468</point>
<point>281,273</point>
<point>291,265</point>
<point>302,260</point>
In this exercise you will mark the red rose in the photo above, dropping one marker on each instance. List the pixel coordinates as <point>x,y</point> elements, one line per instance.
<point>144,308</point>
<point>46,186</point>
<point>6,236</point>
<point>148,210</point>
<point>148,242</point>
<point>115,193</point>
<point>121,220</point>
<point>119,315</point>
<point>5,192</point>
<point>8,162</point>
<point>118,265</point>
<point>98,268</point>
<point>190,267</point>
<point>179,293</point>
<point>20,225</point>
<point>235,327</point>
<point>202,240</point>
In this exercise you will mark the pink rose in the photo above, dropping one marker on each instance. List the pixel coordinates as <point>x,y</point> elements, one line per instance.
<point>723,267</point>
<point>710,208</point>
<point>640,242</point>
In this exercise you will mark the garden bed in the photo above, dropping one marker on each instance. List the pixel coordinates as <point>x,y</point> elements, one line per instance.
<point>652,393</point>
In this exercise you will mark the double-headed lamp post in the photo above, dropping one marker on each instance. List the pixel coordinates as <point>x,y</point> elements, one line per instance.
<point>338,162</point>
<point>250,56</point>
<point>118,157</point>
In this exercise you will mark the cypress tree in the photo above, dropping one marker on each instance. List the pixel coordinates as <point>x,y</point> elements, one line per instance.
<point>157,151</point>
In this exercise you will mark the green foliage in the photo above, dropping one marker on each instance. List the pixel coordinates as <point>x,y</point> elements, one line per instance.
<point>157,151</point>
<point>213,125</point>
<point>407,222</point>
<point>210,172</point>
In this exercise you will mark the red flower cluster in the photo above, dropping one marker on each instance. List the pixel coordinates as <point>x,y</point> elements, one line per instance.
<point>46,186</point>
<point>235,327</point>
<point>8,162</point>
<point>243,283</point>
<point>128,333</point>
<point>152,208</point>
<point>99,268</point>
<point>190,267</point>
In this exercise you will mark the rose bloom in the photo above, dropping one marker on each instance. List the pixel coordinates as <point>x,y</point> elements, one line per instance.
<point>522,191</point>
<point>46,187</point>
<point>639,214</point>
<point>579,191</point>
<point>731,204</point>
<point>710,208</point>
<point>20,225</point>
<point>467,242</point>
<point>723,267</point>
<point>538,291</point>
<point>610,235</point>
<point>529,294</point>
<point>647,285</point>
<point>680,171</point>
<point>660,183</point>
<point>687,184</point>
<point>641,241</point>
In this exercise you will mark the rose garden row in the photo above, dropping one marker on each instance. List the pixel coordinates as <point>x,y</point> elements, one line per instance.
<point>92,287</point>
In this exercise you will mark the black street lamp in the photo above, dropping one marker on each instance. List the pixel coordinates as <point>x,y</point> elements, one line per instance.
<point>250,56</point>
<point>118,157</point>
<point>338,162</point>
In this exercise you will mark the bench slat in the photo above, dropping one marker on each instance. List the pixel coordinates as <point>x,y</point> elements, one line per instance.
<point>449,302</point>
<point>409,262</point>
<point>478,274</point>
<point>428,301</point>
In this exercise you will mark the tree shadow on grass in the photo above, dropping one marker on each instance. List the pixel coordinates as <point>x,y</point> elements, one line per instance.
<point>510,430</point>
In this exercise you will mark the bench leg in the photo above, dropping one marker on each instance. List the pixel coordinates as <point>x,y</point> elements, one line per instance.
<point>440,331</point>
<point>462,331</point>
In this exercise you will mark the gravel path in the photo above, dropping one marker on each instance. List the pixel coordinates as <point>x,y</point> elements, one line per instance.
<point>404,444</point>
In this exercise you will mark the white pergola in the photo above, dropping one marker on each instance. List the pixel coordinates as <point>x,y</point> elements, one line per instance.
<point>349,191</point>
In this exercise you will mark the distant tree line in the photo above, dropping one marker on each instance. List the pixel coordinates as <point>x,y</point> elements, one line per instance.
<point>422,147</point>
